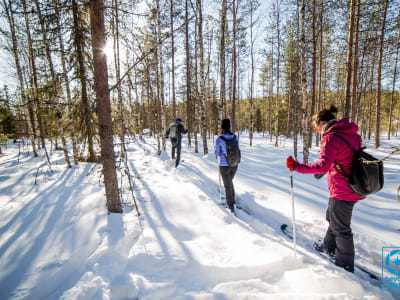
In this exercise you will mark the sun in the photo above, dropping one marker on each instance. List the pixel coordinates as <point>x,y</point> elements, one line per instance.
<point>109,49</point>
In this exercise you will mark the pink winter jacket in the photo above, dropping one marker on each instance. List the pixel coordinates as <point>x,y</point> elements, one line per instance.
<point>333,148</point>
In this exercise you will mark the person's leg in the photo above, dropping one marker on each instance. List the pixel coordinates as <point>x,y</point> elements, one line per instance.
<point>232,172</point>
<point>330,239</point>
<point>340,221</point>
<point>227,179</point>
<point>173,147</point>
<point>178,152</point>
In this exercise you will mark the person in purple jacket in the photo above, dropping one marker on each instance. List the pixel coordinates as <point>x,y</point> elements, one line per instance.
<point>227,172</point>
<point>333,150</point>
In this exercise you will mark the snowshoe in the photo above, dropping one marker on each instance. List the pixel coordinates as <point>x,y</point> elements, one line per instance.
<point>319,246</point>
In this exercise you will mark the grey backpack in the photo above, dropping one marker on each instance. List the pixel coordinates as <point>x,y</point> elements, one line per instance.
<point>173,131</point>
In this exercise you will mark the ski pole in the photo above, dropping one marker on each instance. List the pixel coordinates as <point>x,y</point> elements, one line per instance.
<point>220,188</point>
<point>293,214</point>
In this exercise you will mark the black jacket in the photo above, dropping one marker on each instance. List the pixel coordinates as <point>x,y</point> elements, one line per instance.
<point>180,130</point>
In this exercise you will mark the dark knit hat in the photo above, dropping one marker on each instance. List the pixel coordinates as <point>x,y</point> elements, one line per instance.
<point>226,124</point>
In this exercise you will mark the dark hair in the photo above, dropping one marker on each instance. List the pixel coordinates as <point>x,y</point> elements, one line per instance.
<point>325,115</point>
<point>226,126</point>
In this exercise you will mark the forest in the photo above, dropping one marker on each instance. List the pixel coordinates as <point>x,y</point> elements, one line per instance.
<point>84,76</point>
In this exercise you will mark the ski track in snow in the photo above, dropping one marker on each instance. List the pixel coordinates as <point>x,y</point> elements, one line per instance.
<point>58,242</point>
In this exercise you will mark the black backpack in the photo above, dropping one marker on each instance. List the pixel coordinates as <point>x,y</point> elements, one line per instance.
<point>366,172</point>
<point>232,147</point>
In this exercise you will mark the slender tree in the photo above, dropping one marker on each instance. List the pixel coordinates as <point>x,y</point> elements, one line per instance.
<point>304,82</point>
<point>313,70</point>
<point>378,88</point>
<point>222,106</point>
<point>35,82</point>
<point>347,100</point>
<point>278,66</point>
<point>78,37</point>
<point>171,14</point>
<point>202,82</point>
<point>188,78</point>
<point>54,83</point>
<point>9,11</point>
<point>66,83</point>
<point>354,104</point>
<point>160,67</point>
<point>117,66</point>
<point>393,84</point>
<point>234,66</point>
<point>103,105</point>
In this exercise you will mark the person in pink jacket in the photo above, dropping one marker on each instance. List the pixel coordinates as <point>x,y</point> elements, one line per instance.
<point>334,151</point>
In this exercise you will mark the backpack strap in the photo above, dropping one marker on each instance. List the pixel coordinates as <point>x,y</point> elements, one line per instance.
<point>226,140</point>
<point>340,169</point>
<point>344,140</point>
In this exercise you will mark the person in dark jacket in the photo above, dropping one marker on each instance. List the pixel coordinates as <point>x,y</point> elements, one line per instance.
<point>227,172</point>
<point>339,237</point>
<point>175,132</point>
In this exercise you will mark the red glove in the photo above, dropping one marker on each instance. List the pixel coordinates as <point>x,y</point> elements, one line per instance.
<point>290,163</point>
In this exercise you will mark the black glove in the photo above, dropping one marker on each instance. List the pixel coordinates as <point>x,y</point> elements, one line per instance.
<point>318,176</point>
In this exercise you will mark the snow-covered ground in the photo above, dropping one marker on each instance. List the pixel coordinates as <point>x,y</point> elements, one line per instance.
<point>58,242</point>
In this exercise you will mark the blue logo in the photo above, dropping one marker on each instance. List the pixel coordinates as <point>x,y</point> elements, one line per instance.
<point>391,268</point>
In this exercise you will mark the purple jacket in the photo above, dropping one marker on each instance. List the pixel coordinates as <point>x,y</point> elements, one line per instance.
<point>220,149</point>
<point>333,148</point>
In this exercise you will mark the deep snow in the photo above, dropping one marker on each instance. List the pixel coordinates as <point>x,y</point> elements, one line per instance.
<point>58,242</point>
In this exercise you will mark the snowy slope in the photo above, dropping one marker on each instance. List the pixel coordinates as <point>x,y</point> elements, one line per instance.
<point>57,240</point>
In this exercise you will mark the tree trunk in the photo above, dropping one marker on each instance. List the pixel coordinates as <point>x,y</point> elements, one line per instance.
<point>67,86</point>
<point>31,124</point>
<point>378,88</point>
<point>55,86</point>
<point>371,88</point>
<point>304,82</point>
<point>202,87</point>
<point>290,103</point>
<point>196,87</point>
<point>393,86</point>
<point>354,103</point>
<point>161,77</point>
<point>172,57</point>
<point>222,106</point>
<point>104,106</point>
<point>321,14</point>
<point>188,79</point>
<point>78,44</point>
<point>117,65</point>
<point>313,73</point>
<point>277,74</point>
<point>349,60</point>
<point>234,69</point>
<point>251,121</point>
<point>35,82</point>
<point>159,120</point>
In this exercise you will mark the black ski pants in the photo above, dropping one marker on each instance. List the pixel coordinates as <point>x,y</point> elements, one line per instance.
<point>339,238</point>
<point>227,174</point>
<point>176,147</point>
